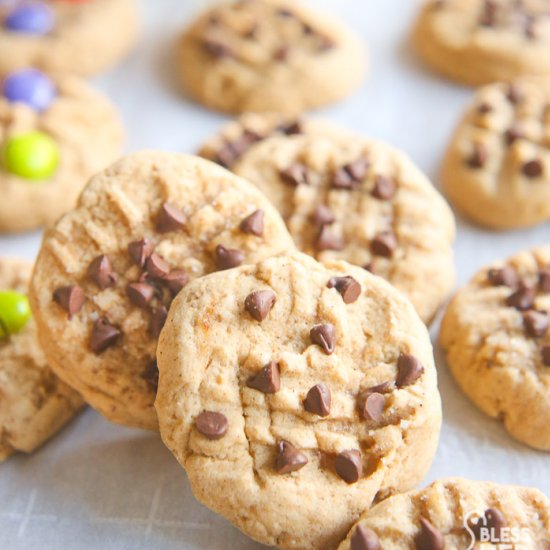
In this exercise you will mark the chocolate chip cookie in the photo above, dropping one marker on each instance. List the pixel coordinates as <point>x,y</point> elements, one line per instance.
<point>295,394</point>
<point>259,56</point>
<point>67,36</point>
<point>55,132</point>
<point>455,513</point>
<point>497,166</point>
<point>34,403</point>
<point>497,340</point>
<point>483,41</point>
<point>361,201</point>
<point>109,269</point>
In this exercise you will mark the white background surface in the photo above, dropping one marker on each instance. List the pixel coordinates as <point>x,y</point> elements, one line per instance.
<point>102,486</point>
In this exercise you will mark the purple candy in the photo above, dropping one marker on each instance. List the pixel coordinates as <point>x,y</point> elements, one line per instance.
<point>31,87</point>
<point>31,18</point>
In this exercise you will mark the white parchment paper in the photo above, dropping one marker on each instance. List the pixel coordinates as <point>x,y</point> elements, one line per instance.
<point>102,486</point>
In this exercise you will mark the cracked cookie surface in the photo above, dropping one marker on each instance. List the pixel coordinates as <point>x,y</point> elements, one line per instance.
<point>362,201</point>
<point>108,270</point>
<point>497,166</point>
<point>496,337</point>
<point>454,513</point>
<point>483,41</point>
<point>296,386</point>
<point>259,56</point>
<point>34,403</point>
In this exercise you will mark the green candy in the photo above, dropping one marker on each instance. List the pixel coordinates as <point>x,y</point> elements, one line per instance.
<point>14,312</point>
<point>32,156</point>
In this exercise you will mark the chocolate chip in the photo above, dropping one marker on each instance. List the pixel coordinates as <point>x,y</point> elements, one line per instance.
<point>342,179</point>
<point>325,43</point>
<point>259,303</point>
<point>289,459</point>
<point>544,279</point>
<point>140,294</point>
<point>104,335</point>
<point>226,258</point>
<point>292,129</point>
<point>504,276</point>
<point>295,174</point>
<point>429,537</point>
<point>484,108</point>
<point>327,240</point>
<point>323,215</point>
<point>373,407</point>
<point>324,335</point>
<point>101,272</point>
<point>175,280</point>
<point>151,375</point>
<point>358,169</point>
<point>140,250</point>
<point>170,218</point>
<point>384,244</point>
<point>281,54</point>
<point>409,370</point>
<point>253,224</point>
<point>267,380</point>
<point>492,522</point>
<point>513,134</point>
<point>533,169</point>
<point>284,12</point>
<point>318,400</point>
<point>513,95</point>
<point>213,425</point>
<point>349,466</point>
<point>70,298</point>
<point>489,13</point>
<point>545,351</point>
<point>384,188</point>
<point>364,538</point>
<point>347,286</point>
<point>157,321</point>
<point>226,156</point>
<point>536,323</point>
<point>217,48</point>
<point>479,156</point>
<point>522,299</point>
<point>156,266</point>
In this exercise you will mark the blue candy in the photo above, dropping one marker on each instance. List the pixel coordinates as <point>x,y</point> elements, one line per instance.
<point>31,87</point>
<point>30,18</point>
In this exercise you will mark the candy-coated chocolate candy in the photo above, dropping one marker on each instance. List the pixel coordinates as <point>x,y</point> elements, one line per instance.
<point>14,312</point>
<point>31,87</point>
<point>32,156</point>
<point>30,18</point>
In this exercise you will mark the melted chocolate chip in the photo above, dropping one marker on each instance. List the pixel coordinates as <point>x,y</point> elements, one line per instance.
<point>157,321</point>
<point>373,407</point>
<point>384,244</point>
<point>101,272</point>
<point>289,459</point>
<point>267,380</point>
<point>522,299</point>
<point>151,375</point>
<point>513,134</point>
<point>140,294</point>
<point>347,286</point>
<point>324,335</point>
<point>349,466</point>
<point>156,266</point>
<point>533,169</point>
<point>429,538</point>
<point>216,48</point>
<point>485,108</point>
<point>544,279</point>
<point>281,54</point>
<point>342,179</point>
<point>296,174</point>
<point>513,95</point>
<point>253,224</point>
<point>292,129</point>
<point>364,538</point>
<point>409,370</point>
<point>170,218</point>
<point>384,188</point>
<point>479,156</point>
<point>493,520</point>
<point>213,425</point>
<point>175,280</point>
<point>323,215</point>
<point>140,250</point>
<point>327,240</point>
<point>70,298</point>
<point>104,335</point>
<point>536,323</point>
<point>227,258</point>
<point>318,400</point>
<point>504,276</point>
<point>358,169</point>
<point>259,303</point>
<point>545,352</point>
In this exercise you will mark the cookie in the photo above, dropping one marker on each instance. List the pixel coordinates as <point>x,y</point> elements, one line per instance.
<point>108,270</point>
<point>362,201</point>
<point>54,134</point>
<point>77,37</point>
<point>497,166</point>
<point>259,56</point>
<point>496,337</point>
<point>483,41</point>
<point>456,513</point>
<point>34,403</point>
<point>295,394</point>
